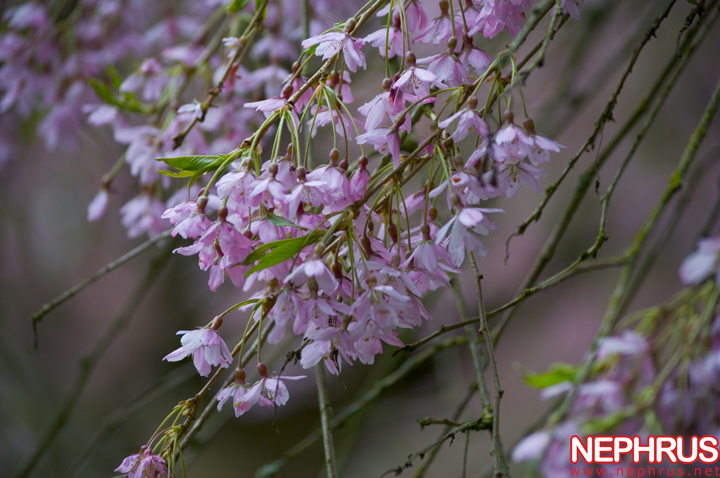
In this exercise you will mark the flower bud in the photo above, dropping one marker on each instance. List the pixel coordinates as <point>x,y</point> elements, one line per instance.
<point>222,212</point>
<point>363,162</point>
<point>451,44</point>
<point>425,229</point>
<point>262,369</point>
<point>365,241</point>
<point>334,156</point>
<point>444,7</point>
<point>273,169</point>
<point>386,84</point>
<point>300,173</point>
<point>432,213</point>
<point>201,203</point>
<point>410,58</point>
<point>509,117</point>
<point>344,164</point>
<point>529,125</point>
<point>313,287</point>
<point>240,375</point>
<point>472,102</point>
<point>393,233</point>
<point>217,323</point>
<point>350,25</point>
<point>319,249</point>
<point>337,270</point>
<point>287,91</point>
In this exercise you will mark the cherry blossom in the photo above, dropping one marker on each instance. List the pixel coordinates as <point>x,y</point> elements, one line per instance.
<point>206,347</point>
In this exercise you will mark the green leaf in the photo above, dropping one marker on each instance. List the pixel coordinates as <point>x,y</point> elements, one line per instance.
<point>181,174</point>
<point>281,251</point>
<point>311,51</point>
<point>557,373</point>
<point>116,78</point>
<point>608,423</point>
<point>281,221</point>
<point>194,178</point>
<point>126,101</point>
<point>237,5</point>
<point>194,163</point>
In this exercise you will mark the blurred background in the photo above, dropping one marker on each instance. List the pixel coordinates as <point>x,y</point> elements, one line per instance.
<point>46,246</point>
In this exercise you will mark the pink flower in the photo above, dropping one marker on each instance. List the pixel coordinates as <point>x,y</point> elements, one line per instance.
<point>330,44</point>
<point>414,14</point>
<point>310,193</point>
<point>382,107</point>
<point>143,465</point>
<point>359,181</point>
<point>539,151</point>
<point>188,219</point>
<point>474,58</point>
<point>390,42</point>
<point>416,81</point>
<point>329,344</point>
<point>369,344</point>
<point>531,446</point>
<point>194,108</point>
<point>385,140</point>
<point>313,268</point>
<point>466,225</point>
<point>268,106</point>
<point>267,392</point>
<point>98,206</point>
<point>447,67</point>
<point>381,304</point>
<point>206,347</point>
<point>702,263</point>
<point>426,253</point>
<point>439,30</point>
<point>142,214</point>
<point>147,77</point>
<point>467,121</point>
<point>572,7</point>
<point>510,174</point>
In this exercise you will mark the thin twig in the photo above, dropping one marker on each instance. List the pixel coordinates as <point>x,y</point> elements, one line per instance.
<point>420,471</point>
<point>325,418</point>
<point>38,316</point>
<point>571,271</point>
<point>618,300</point>
<point>271,469</point>
<point>499,458</point>
<point>90,361</point>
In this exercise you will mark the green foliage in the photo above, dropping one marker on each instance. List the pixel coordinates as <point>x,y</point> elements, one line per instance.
<point>111,96</point>
<point>557,373</point>
<point>280,251</point>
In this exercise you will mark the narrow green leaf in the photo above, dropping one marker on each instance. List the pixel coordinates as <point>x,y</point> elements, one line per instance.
<point>126,101</point>
<point>181,174</point>
<point>281,221</point>
<point>194,163</point>
<point>237,5</point>
<point>116,78</point>
<point>557,373</point>
<point>281,251</point>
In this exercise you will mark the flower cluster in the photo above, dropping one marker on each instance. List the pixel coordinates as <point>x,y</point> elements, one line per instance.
<point>645,381</point>
<point>340,252</point>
